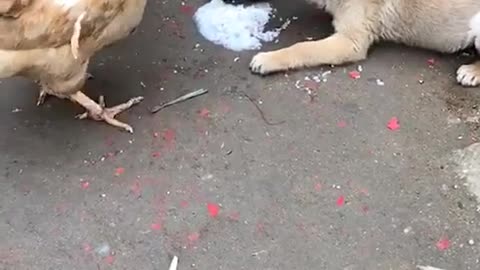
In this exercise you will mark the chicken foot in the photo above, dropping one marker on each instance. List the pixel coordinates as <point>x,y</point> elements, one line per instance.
<point>43,94</point>
<point>98,112</point>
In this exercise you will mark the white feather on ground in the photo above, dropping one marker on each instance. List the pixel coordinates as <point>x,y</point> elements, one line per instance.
<point>236,28</point>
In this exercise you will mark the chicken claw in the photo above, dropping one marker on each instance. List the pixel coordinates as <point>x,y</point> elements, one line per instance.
<point>98,112</point>
<point>41,97</point>
<point>44,94</point>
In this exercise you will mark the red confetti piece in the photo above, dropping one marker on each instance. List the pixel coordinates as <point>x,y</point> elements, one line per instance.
<point>187,10</point>
<point>169,135</point>
<point>204,113</point>
<point>443,244</point>
<point>393,124</point>
<point>87,248</point>
<point>136,189</point>
<point>354,75</point>
<point>109,259</point>
<point>431,62</point>
<point>340,201</point>
<point>156,226</point>
<point>318,187</point>
<point>184,204</point>
<point>119,171</point>
<point>85,184</point>
<point>342,124</point>
<point>156,154</point>
<point>213,209</point>
<point>193,237</point>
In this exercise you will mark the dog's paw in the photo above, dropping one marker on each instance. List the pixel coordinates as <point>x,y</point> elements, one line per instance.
<point>469,75</point>
<point>265,63</point>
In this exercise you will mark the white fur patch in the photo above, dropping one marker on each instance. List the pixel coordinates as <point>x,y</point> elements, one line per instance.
<point>475,23</point>
<point>475,29</point>
<point>66,3</point>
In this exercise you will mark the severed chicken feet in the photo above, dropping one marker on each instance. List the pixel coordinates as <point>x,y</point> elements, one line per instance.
<point>98,112</point>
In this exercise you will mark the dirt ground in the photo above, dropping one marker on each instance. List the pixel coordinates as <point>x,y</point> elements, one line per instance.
<point>317,182</point>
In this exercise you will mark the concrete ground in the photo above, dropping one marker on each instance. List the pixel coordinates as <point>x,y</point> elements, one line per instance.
<point>320,183</point>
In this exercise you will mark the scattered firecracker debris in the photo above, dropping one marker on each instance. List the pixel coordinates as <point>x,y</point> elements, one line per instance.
<point>204,113</point>
<point>85,184</point>
<point>187,10</point>
<point>156,226</point>
<point>213,209</point>
<point>431,62</point>
<point>169,135</point>
<point>342,124</point>
<point>87,248</point>
<point>443,244</point>
<point>109,259</point>
<point>393,124</point>
<point>136,189</point>
<point>156,154</point>
<point>184,204</point>
<point>119,171</point>
<point>318,187</point>
<point>340,201</point>
<point>193,237</point>
<point>354,75</point>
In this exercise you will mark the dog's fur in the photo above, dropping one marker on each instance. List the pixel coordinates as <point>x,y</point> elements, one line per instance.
<point>442,25</point>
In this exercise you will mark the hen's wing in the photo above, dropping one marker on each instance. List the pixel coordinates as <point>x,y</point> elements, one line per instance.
<point>36,24</point>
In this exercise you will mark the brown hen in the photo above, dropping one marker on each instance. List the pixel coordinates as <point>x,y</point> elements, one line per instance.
<point>51,42</point>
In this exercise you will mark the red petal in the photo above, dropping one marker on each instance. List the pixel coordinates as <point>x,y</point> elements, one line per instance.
<point>393,124</point>
<point>213,209</point>
<point>443,244</point>
<point>340,201</point>
<point>119,171</point>
<point>204,113</point>
<point>109,259</point>
<point>354,74</point>
<point>85,184</point>
<point>342,124</point>
<point>156,226</point>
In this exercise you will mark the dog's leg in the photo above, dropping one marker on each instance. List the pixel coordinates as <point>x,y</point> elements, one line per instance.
<point>469,75</point>
<point>336,49</point>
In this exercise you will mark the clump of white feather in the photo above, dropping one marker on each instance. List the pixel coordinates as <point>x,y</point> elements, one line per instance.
<point>77,29</point>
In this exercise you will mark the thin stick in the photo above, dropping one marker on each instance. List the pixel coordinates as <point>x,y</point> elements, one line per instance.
<point>262,114</point>
<point>193,94</point>
<point>174,263</point>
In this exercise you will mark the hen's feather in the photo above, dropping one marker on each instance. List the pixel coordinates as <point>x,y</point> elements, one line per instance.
<point>38,24</point>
